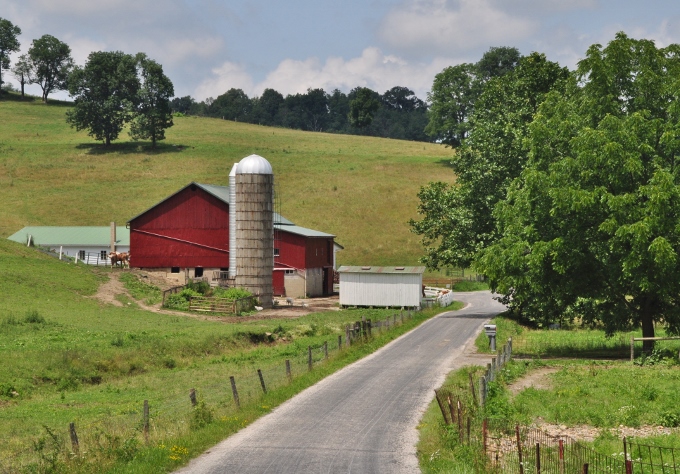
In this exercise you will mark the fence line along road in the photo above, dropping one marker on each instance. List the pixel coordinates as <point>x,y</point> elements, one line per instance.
<point>363,418</point>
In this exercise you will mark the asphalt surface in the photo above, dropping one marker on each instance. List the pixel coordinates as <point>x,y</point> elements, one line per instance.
<point>363,418</point>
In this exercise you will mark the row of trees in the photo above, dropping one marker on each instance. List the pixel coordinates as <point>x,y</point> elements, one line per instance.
<point>111,90</point>
<point>568,187</point>
<point>397,113</point>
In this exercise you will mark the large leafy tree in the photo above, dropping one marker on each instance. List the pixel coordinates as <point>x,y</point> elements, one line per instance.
<point>51,64</point>
<point>22,71</point>
<point>591,228</point>
<point>232,105</point>
<point>457,220</point>
<point>9,43</point>
<point>453,95</point>
<point>498,61</point>
<point>363,104</point>
<point>153,114</point>
<point>456,89</point>
<point>106,94</point>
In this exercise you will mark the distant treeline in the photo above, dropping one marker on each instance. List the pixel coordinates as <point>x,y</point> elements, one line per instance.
<point>397,113</point>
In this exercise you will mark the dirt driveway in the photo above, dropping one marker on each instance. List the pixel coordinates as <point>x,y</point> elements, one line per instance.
<point>285,308</point>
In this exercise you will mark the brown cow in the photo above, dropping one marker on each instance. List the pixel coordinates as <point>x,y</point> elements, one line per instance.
<point>122,258</point>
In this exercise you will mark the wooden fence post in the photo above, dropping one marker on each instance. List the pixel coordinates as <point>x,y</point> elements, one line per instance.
<point>339,341</point>
<point>309,358</point>
<point>325,349</point>
<point>585,468</point>
<point>192,397</point>
<point>472,389</point>
<point>259,374</point>
<point>484,435</point>
<point>519,450</point>
<point>441,406</point>
<point>538,458</point>
<point>632,349</point>
<point>369,325</point>
<point>561,455</point>
<point>460,421</point>
<point>451,410</point>
<point>74,438</point>
<point>146,421</point>
<point>347,342</point>
<point>482,391</point>
<point>234,392</point>
<point>288,372</point>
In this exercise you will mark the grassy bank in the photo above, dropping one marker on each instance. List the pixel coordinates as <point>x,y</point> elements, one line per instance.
<point>362,189</point>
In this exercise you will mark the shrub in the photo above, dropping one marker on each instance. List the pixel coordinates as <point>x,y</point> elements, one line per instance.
<point>202,416</point>
<point>33,317</point>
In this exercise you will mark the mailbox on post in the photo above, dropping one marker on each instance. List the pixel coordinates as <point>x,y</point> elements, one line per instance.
<point>490,330</point>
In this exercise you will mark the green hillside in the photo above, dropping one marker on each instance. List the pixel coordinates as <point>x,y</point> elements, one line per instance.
<point>362,189</point>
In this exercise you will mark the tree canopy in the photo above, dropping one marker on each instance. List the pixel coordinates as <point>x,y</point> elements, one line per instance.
<point>51,63</point>
<point>590,228</point>
<point>152,115</point>
<point>9,43</point>
<point>106,94</point>
<point>456,89</point>
<point>457,220</point>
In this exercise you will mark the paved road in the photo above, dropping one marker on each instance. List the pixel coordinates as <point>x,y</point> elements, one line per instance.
<point>363,418</point>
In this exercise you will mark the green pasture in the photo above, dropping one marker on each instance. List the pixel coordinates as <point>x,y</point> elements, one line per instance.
<point>362,189</point>
<point>591,382</point>
<point>68,358</point>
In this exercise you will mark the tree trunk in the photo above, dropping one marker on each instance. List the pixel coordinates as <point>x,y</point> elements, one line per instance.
<point>22,88</point>
<point>647,308</point>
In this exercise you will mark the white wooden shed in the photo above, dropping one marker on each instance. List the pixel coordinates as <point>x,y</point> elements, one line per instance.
<point>381,286</point>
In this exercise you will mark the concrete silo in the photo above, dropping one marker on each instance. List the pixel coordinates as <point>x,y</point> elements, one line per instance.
<point>255,227</point>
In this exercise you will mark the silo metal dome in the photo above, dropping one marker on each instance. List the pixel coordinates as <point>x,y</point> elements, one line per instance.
<point>254,164</point>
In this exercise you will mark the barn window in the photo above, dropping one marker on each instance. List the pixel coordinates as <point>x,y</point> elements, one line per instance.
<point>81,254</point>
<point>277,252</point>
<point>198,272</point>
<point>174,270</point>
<point>290,272</point>
<point>103,255</point>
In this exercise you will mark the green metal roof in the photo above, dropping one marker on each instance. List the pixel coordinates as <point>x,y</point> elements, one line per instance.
<point>296,229</point>
<point>371,269</point>
<point>85,236</point>
<point>221,193</point>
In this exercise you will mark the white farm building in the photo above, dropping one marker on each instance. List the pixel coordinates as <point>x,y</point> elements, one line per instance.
<point>400,287</point>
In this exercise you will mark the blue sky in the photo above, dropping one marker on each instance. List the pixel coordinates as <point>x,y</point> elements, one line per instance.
<point>208,46</point>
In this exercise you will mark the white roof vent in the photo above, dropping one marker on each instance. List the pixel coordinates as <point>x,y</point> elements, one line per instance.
<point>254,164</point>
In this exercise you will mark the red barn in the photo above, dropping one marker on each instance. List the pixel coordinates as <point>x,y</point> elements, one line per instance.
<point>187,236</point>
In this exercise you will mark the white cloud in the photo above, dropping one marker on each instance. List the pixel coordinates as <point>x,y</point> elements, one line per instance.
<point>372,69</point>
<point>446,27</point>
<point>228,76</point>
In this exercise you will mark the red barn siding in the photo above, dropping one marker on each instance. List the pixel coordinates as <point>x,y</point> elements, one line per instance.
<point>189,229</point>
<point>291,249</point>
<point>319,254</point>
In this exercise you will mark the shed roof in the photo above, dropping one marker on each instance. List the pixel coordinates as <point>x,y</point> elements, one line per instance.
<point>220,192</point>
<point>371,269</point>
<point>76,235</point>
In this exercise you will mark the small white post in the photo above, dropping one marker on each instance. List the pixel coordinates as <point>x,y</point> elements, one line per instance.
<point>28,244</point>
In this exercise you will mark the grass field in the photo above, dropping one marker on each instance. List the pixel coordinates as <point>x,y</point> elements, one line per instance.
<point>584,380</point>
<point>362,189</point>
<point>68,358</point>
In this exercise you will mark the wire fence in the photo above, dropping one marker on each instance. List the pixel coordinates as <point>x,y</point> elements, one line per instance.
<point>119,432</point>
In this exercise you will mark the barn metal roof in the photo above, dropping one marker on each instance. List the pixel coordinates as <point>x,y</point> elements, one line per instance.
<point>372,269</point>
<point>220,192</point>
<point>296,229</point>
<point>85,236</point>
